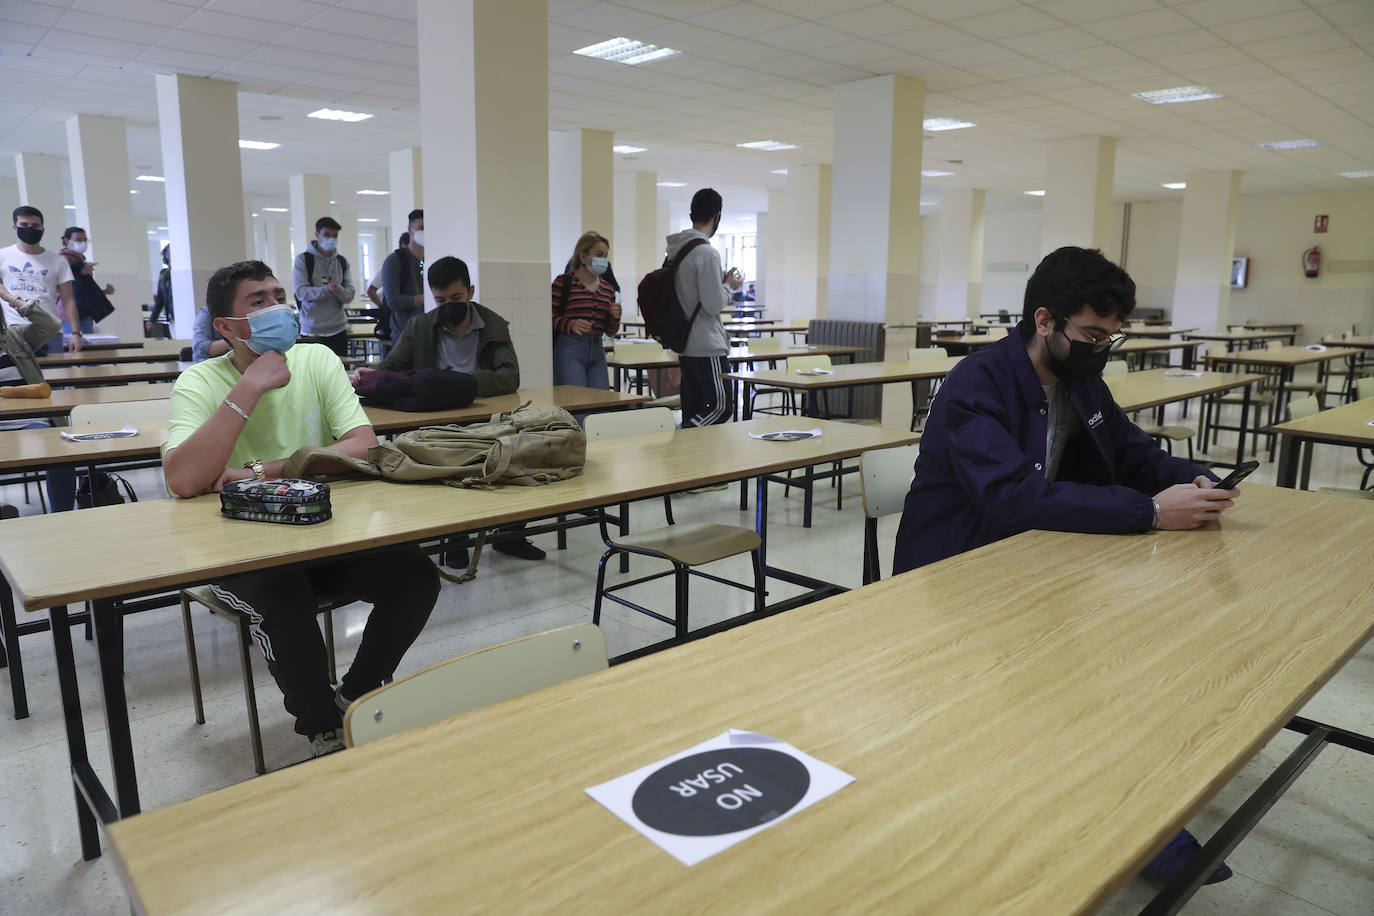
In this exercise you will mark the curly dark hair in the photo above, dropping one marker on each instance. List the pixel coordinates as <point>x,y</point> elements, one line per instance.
<point>224,285</point>
<point>1069,278</point>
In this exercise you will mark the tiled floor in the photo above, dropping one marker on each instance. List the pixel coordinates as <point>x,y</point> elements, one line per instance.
<point>1313,854</point>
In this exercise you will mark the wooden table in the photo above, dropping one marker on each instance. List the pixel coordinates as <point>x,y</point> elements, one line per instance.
<point>63,400</point>
<point>963,344</point>
<point>154,342</point>
<point>1359,343</point>
<point>1157,387</point>
<point>112,374</point>
<point>1138,347</point>
<point>1349,424</point>
<point>1275,326</point>
<point>1020,743</point>
<point>169,543</point>
<point>737,355</point>
<point>154,351</point>
<point>1283,361</point>
<point>1250,339</point>
<point>884,373</point>
<point>1155,331</point>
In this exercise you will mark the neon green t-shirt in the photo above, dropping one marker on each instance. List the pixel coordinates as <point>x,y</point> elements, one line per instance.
<point>315,408</point>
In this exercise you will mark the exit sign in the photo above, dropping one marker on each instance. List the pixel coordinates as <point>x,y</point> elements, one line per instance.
<point>1319,224</point>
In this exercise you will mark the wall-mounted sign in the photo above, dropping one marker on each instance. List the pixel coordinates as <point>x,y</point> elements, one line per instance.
<point>1319,224</point>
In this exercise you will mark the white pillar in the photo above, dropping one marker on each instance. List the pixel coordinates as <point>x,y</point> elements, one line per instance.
<point>1206,244</point>
<point>1078,192</point>
<point>405,168</point>
<point>959,282</point>
<point>771,251</point>
<point>98,150</point>
<point>349,248</point>
<point>40,185</point>
<point>198,120</point>
<point>581,190</point>
<point>144,246</point>
<point>649,245</point>
<point>9,195</point>
<point>278,247</point>
<point>805,292</point>
<point>309,201</point>
<point>598,193</point>
<point>484,126</point>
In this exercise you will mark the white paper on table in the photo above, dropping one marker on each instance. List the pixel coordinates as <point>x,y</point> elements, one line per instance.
<point>124,433</point>
<point>1181,373</point>
<point>815,371</point>
<point>712,784</point>
<point>788,435</point>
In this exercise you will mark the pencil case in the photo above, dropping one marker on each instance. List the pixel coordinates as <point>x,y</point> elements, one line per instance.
<point>285,501</point>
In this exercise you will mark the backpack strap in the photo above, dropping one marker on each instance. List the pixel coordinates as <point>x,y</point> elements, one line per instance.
<point>564,293</point>
<point>672,269</point>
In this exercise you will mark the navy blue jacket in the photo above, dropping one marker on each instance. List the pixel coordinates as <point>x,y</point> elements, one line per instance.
<point>980,474</point>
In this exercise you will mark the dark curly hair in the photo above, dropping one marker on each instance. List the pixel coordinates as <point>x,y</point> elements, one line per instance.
<point>224,285</point>
<point>1069,278</point>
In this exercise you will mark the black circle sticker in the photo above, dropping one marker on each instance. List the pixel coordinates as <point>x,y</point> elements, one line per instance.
<point>721,791</point>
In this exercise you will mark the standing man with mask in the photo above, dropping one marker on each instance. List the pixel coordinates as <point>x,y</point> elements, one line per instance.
<point>323,288</point>
<point>1024,434</point>
<point>241,415</point>
<point>35,274</point>
<point>92,302</point>
<point>402,286</point>
<point>706,397</point>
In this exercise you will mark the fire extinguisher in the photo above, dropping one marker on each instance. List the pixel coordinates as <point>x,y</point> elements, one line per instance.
<point>1312,261</point>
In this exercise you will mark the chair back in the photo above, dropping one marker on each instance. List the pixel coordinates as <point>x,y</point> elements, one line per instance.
<point>765,345</point>
<point>1115,367</point>
<point>474,680</point>
<point>633,352</point>
<point>617,423</point>
<point>1272,344</point>
<point>1217,350</point>
<point>808,362</point>
<point>1251,321</point>
<point>927,353</point>
<point>996,333</point>
<point>1236,328</point>
<point>119,412</point>
<point>1303,407</point>
<point>885,474</point>
<point>1364,388</point>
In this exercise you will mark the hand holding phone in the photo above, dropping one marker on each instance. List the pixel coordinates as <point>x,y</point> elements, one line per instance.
<point>1242,471</point>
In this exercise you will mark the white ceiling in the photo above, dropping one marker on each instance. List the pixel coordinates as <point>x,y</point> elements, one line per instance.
<point>1025,72</point>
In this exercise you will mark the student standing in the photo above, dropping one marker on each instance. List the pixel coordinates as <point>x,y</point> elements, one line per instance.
<point>323,287</point>
<point>92,302</point>
<point>402,276</point>
<point>33,273</point>
<point>584,310</point>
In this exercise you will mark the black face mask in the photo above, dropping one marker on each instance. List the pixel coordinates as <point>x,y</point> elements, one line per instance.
<point>29,235</point>
<point>453,313</point>
<point>1082,361</point>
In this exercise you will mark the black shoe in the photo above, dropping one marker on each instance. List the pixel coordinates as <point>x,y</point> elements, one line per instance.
<point>520,548</point>
<point>8,511</point>
<point>455,559</point>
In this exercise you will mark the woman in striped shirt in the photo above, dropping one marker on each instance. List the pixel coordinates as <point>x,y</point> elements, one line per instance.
<point>584,308</point>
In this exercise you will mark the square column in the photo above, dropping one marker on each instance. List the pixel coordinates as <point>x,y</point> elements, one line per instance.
<point>407,185</point>
<point>198,120</point>
<point>770,248</point>
<point>98,149</point>
<point>40,185</point>
<point>581,191</point>
<point>807,231</point>
<point>959,282</point>
<point>278,248</point>
<point>1206,244</point>
<point>597,174</point>
<point>309,201</point>
<point>350,249</point>
<point>1078,192</point>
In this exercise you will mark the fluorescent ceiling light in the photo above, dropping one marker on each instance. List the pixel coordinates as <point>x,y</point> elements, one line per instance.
<point>934,173</point>
<point>946,124</point>
<point>626,150</point>
<point>163,228</point>
<point>1363,173</point>
<point>1177,94</point>
<point>927,203</point>
<point>276,210</point>
<point>771,146</point>
<point>150,178</point>
<point>779,171</point>
<point>1175,185</point>
<point>132,191</point>
<point>369,192</point>
<point>334,114</point>
<point>627,51</point>
<point>69,206</point>
<point>366,219</point>
<point>672,184</point>
<point>1303,143</point>
<point>255,214</point>
<point>257,144</point>
<point>1037,193</point>
<point>151,232</point>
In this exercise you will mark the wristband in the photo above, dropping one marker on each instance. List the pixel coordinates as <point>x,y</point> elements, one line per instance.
<point>239,410</point>
<point>1155,525</point>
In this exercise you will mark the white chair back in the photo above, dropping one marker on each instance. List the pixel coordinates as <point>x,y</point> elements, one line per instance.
<point>1115,367</point>
<point>1303,407</point>
<point>927,353</point>
<point>765,345</point>
<point>1217,349</point>
<point>617,423</point>
<point>474,680</point>
<point>885,474</point>
<point>808,362</point>
<point>633,352</point>
<point>997,333</point>
<point>1364,388</point>
<point>1272,344</point>
<point>121,412</point>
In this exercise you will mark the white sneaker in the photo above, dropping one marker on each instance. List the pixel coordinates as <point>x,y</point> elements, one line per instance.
<point>326,742</point>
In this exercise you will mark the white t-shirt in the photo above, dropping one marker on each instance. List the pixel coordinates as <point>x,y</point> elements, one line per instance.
<point>35,276</point>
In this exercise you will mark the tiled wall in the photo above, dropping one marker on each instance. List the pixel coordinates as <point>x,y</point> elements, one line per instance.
<point>520,293</point>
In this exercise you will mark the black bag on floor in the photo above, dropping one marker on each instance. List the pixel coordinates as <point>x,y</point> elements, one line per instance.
<point>107,487</point>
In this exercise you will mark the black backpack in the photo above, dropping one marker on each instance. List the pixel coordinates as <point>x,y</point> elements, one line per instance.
<point>310,269</point>
<point>663,316</point>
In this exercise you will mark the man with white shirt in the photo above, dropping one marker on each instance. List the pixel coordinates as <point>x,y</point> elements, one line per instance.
<point>31,272</point>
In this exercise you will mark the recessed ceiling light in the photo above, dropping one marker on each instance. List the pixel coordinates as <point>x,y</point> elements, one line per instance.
<point>1177,94</point>
<point>1175,185</point>
<point>334,114</point>
<point>1363,173</point>
<point>1036,193</point>
<point>946,124</point>
<point>1303,143</point>
<point>149,178</point>
<point>627,51</point>
<point>151,232</point>
<point>132,191</point>
<point>276,210</point>
<point>779,171</point>
<point>366,219</point>
<point>369,192</point>
<point>333,202</point>
<point>672,184</point>
<point>255,214</point>
<point>927,203</point>
<point>257,144</point>
<point>771,146</point>
<point>625,150</point>
<point>69,206</point>
<point>163,228</point>
<point>934,173</point>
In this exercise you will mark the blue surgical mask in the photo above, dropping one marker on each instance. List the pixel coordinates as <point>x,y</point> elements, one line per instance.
<point>328,244</point>
<point>599,265</point>
<point>272,328</point>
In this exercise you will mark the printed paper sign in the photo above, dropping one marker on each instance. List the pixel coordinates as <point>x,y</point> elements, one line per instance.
<point>123,433</point>
<point>712,796</point>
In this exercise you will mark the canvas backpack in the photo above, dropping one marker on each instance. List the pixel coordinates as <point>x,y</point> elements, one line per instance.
<point>663,315</point>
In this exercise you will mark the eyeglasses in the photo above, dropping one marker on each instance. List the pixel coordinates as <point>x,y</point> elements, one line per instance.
<point>1100,344</point>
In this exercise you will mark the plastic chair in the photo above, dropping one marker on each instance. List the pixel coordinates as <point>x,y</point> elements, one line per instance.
<point>634,352</point>
<point>474,680</point>
<point>765,346</point>
<point>1297,410</point>
<point>1212,405</point>
<point>684,546</point>
<point>885,475</point>
<point>121,412</point>
<point>920,410</point>
<point>1115,367</point>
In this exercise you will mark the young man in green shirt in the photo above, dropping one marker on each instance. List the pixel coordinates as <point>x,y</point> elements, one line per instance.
<point>241,415</point>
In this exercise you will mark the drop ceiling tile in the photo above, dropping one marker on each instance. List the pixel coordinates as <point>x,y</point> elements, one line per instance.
<point>185,61</point>
<point>684,37</point>
<point>320,42</point>
<point>91,44</point>
<point>290,12</point>
<point>739,51</point>
<point>1267,27</point>
<point>1139,25</point>
<point>945,80</point>
<point>1350,12</point>
<point>1310,42</point>
<point>1173,44</point>
<point>1225,78</point>
<point>1133,72</point>
<point>1051,41</point>
<point>984,91</point>
<point>390,54</point>
<point>1325,60</point>
<point>23,36</point>
<point>984,52</point>
<point>1023,20</point>
<point>743,19</point>
<point>286,56</point>
<point>1018,70</point>
<point>30,13</point>
<point>1083,58</point>
<point>1219,12</point>
<point>943,11</point>
<point>1361,34</point>
<point>376,71</point>
<point>1212,58</point>
<point>614,19</point>
<point>358,25</point>
<point>931,38</point>
<point>264,71</point>
<point>804,37</point>
<point>200,43</point>
<point>875,20</point>
<point>815,9</point>
<point>854,53</point>
<point>1093,10</point>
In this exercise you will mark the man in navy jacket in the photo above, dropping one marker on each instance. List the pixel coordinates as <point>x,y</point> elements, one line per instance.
<point>1024,434</point>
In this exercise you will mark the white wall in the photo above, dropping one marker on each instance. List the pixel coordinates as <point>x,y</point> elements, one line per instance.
<point>565,197</point>
<point>1009,237</point>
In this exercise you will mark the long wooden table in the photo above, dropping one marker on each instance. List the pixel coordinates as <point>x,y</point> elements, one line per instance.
<point>1350,424</point>
<point>1155,388</point>
<point>1138,347</point>
<point>168,543</point>
<point>62,401</point>
<point>847,376</point>
<point>113,374</point>
<point>1155,331</point>
<point>1282,361</point>
<point>153,351</point>
<point>1025,734</point>
<point>1359,343</point>
<point>668,360</point>
<point>1249,338</point>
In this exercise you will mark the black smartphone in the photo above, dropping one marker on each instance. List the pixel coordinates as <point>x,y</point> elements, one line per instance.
<point>1245,469</point>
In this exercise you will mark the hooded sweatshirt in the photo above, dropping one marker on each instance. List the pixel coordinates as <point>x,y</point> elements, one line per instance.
<point>699,280</point>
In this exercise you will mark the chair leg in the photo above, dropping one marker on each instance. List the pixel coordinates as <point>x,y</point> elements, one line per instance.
<point>668,509</point>
<point>191,658</point>
<point>329,645</point>
<point>600,586</point>
<point>681,578</point>
<point>870,571</point>
<point>760,593</point>
<point>250,695</point>
<point>624,530</point>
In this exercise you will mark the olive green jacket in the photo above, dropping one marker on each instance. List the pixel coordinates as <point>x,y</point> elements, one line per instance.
<point>498,369</point>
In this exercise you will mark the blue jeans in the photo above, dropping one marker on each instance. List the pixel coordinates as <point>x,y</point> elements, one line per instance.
<point>580,360</point>
<point>61,481</point>
<point>87,326</point>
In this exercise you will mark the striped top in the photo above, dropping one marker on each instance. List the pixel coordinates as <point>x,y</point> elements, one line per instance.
<point>582,303</point>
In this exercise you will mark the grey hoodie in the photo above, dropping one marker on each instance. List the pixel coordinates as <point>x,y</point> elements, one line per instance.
<point>699,279</point>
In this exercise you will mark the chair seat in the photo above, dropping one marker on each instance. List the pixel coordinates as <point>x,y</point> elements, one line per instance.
<point>692,545</point>
<point>204,595</point>
<point>1177,433</point>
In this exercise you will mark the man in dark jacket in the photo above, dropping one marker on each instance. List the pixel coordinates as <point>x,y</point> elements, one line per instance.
<point>1024,434</point>
<point>463,336</point>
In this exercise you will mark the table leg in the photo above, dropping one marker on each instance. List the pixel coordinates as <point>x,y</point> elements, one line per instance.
<point>9,628</point>
<point>90,795</point>
<point>109,643</point>
<point>1289,454</point>
<point>747,409</point>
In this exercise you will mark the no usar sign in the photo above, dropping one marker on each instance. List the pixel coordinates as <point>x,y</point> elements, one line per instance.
<point>712,796</point>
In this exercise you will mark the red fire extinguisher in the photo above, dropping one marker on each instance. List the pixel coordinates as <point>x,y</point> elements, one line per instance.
<point>1312,261</point>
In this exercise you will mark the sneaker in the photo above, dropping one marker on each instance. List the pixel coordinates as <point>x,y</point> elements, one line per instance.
<point>1178,855</point>
<point>517,547</point>
<point>8,511</point>
<point>455,559</point>
<point>326,743</point>
<point>342,701</point>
